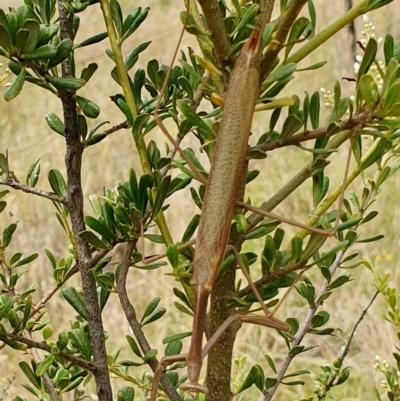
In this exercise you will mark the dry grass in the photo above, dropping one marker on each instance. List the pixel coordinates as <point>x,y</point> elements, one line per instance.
<point>24,132</point>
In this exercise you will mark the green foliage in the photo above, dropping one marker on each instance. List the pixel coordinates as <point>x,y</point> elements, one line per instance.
<point>32,41</point>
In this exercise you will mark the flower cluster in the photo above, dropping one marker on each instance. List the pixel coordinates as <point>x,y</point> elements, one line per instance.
<point>4,77</point>
<point>367,34</point>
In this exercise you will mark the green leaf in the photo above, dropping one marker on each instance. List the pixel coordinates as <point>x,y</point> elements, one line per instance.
<point>286,71</point>
<point>134,346</point>
<point>94,39</point>
<point>6,307</point>
<point>86,74</point>
<point>133,22</point>
<point>131,18</point>
<point>42,53</point>
<point>5,41</point>
<point>47,333</point>
<point>314,243</point>
<point>89,108</point>
<point>55,123</point>
<point>151,307</point>
<point>312,67</point>
<point>75,300</point>
<point>157,314</point>
<point>368,59</point>
<point>8,233</point>
<point>64,49</point>
<point>298,28</point>
<point>116,14</point>
<point>44,365</point>
<point>73,384</point>
<point>291,125</point>
<point>100,228</point>
<point>93,240</point>
<point>66,83</point>
<point>256,373</point>
<point>270,362</point>
<point>297,248</point>
<point>314,110</point>
<point>27,260</point>
<point>247,18</point>
<point>175,337</point>
<point>126,394</point>
<point>57,183</point>
<point>339,281</point>
<point>150,354</point>
<point>377,150</point>
<point>32,176</point>
<point>372,239</point>
<point>80,340</point>
<point>320,319</point>
<point>173,348</point>
<point>30,374</point>
<point>162,192</point>
<point>16,87</point>
<point>133,57</point>
<point>192,116</point>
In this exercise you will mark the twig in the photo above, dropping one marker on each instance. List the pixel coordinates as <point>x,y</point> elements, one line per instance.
<point>10,182</point>
<point>116,128</point>
<point>344,350</point>
<point>295,182</point>
<point>310,134</point>
<point>71,272</point>
<point>269,278</point>
<point>130,315</point>
<point>302,331</point>
<point>280,36</point>
<point>216,26</point>
<point>89,366</point>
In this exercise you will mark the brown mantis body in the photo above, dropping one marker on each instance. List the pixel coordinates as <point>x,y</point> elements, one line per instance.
<point>220,200</point>
<point>222,188</point>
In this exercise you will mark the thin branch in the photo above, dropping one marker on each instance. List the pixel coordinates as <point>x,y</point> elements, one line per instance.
<point>308,135</point>
<point>89,366</point>
<point>269,278</point>
<point>303,174</point>
<point>266,9</point>
<point>280,36</point>
<point>41,304</point>
<point>345,349</point>
<point>130,315</point>
<point>216,26</point>
<point>10,182</point>
<point>302,331</point>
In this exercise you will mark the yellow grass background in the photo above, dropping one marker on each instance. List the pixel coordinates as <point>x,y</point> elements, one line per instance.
<point>24,132</point>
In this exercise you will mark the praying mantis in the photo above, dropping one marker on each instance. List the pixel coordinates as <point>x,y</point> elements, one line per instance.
<point>220,201</point>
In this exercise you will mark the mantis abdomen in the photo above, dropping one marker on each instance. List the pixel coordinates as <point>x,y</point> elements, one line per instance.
<point>227,164</point>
